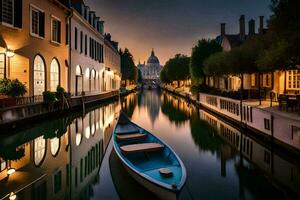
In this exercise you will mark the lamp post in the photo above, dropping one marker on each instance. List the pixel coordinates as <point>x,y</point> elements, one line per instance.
<point>8,53</point>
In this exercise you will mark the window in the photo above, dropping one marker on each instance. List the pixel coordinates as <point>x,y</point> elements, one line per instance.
<point>67,34</point>
<point>54,146</point>
<point>2,165</point>
<point>39,75</point>
<point>2,64</point>
<point>56,30</point>
<point>293,80</point>
<point>267,124</point>
<point>75,38</point>
<point>7,11</point>
<point>267,157</point>
<point>39,150</point>
<point>54,75</point>
<point>81,41</point>
<point>37,23</point>
<point>85,43</point>
<point>57,182</point>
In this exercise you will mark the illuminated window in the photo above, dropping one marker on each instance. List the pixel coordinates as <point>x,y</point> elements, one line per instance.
<point>39,150</point>
<point>2,165</point>
<point>39,75</point>
<point>2,66</point>
<point>54,75</point>
<point>55,144</point>
<point>293,80</point>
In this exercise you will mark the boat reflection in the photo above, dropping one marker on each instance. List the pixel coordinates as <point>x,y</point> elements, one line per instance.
<point>57,159</point>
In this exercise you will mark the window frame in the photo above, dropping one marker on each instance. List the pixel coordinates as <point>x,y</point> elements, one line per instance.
<point>12,14</point>
<point>35,8</point>
<point>54,18</point>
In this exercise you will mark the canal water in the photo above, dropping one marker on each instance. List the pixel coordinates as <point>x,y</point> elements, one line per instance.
<point>71,157</point>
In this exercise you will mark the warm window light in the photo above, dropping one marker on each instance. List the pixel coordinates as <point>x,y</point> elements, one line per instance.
<point>11,171</point>
<point>9,53</point>
<point>12,196</point>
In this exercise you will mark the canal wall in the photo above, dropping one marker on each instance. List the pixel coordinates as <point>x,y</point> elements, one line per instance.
<point>284,130</point>
<point>25,113</point>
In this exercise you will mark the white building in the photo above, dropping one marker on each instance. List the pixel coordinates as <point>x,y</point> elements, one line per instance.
<point>152,69</point>
<point>89,51</point>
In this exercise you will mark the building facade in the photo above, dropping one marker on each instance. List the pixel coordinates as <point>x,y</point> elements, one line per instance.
<point>50,43</point>
<point>277,82</point>
<point>34,43</point>
<point>151,70</point>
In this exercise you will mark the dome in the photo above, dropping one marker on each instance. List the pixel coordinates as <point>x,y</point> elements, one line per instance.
<point>153,59</point>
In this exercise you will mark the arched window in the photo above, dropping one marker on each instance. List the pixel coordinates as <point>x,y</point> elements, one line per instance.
<point>39,150</point>
<point>78,70</point>
<point>93,80</point>
<point>54,146</point>
<point>54,75</point>
<point>38,75</point>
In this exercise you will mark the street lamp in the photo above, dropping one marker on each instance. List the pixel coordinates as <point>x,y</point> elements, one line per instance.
<point>8,53</point>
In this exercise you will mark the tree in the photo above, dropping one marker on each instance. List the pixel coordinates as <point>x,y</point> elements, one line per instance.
<point>128,68</point>
<point>284,26</point>
<point>140,77</point>
<point>200,53</point>
<point>177,68</point>
<point>164,76</point>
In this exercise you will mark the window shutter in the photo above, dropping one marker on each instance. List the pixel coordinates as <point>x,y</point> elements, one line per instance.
<point>18,7</point>
<point>59,31</point>
<point>41,24</point>
<point>0,10</point>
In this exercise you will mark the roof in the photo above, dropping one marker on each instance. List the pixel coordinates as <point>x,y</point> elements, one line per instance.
<point>153,59</point>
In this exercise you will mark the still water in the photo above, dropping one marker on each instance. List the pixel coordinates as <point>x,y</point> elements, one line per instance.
<point>71,157</point>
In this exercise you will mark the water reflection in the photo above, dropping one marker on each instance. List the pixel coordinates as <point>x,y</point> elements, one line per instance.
<point>57,159</point>
<point>222,162</point>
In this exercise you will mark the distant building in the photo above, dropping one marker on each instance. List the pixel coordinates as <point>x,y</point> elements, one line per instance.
<point>152,69</point>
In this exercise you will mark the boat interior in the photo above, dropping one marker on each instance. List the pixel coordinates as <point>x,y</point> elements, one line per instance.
<point>147,154</point>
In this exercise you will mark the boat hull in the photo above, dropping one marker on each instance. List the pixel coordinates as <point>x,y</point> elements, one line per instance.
<point>158,191</point>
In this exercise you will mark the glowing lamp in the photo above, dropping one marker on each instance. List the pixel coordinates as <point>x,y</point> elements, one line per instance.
<point>9,53</point>
<point>12,196</point>
<point>11,171</point>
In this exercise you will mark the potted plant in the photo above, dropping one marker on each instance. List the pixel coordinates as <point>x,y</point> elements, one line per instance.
<point>49,99</point>
<point>10,90</point>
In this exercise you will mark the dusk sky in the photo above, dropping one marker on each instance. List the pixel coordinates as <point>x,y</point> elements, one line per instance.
<point>172,26</point>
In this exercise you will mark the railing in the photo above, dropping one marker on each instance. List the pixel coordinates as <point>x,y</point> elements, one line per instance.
<point>29,100</point>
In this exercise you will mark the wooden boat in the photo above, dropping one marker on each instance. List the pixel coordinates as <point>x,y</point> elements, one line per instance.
<point>150,161</point>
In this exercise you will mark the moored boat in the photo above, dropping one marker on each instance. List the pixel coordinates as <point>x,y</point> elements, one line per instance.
<point>149,160</point>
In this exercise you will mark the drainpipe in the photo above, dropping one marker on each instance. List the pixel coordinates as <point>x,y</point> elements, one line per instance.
<point>69,17</point>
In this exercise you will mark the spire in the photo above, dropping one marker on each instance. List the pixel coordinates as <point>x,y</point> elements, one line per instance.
<point>152,52</point>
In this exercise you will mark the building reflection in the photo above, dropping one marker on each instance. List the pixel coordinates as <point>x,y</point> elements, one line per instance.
<point>57,159</point>
<point>279,169</point>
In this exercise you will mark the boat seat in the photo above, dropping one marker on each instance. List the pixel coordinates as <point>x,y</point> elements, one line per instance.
<point>126,129</point>
<point>123,137</point>
<point>141,148</point>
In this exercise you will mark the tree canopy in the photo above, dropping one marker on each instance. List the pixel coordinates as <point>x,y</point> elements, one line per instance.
<point>176,69</point>
<point>284,26</point>
<point>128,68</point>
<point>200,53</point>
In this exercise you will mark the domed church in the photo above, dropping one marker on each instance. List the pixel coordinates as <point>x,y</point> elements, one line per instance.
<point>151,70</point>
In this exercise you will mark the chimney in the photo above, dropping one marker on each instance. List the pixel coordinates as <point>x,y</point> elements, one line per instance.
<point>252,27</point>
<point>242,27</point>
<point>261,25</point>
<point>223,32</point>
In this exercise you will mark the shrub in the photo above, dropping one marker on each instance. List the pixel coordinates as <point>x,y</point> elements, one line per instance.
<point>12,88</point>
<point>49,97</point>
<point>60,92</point>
